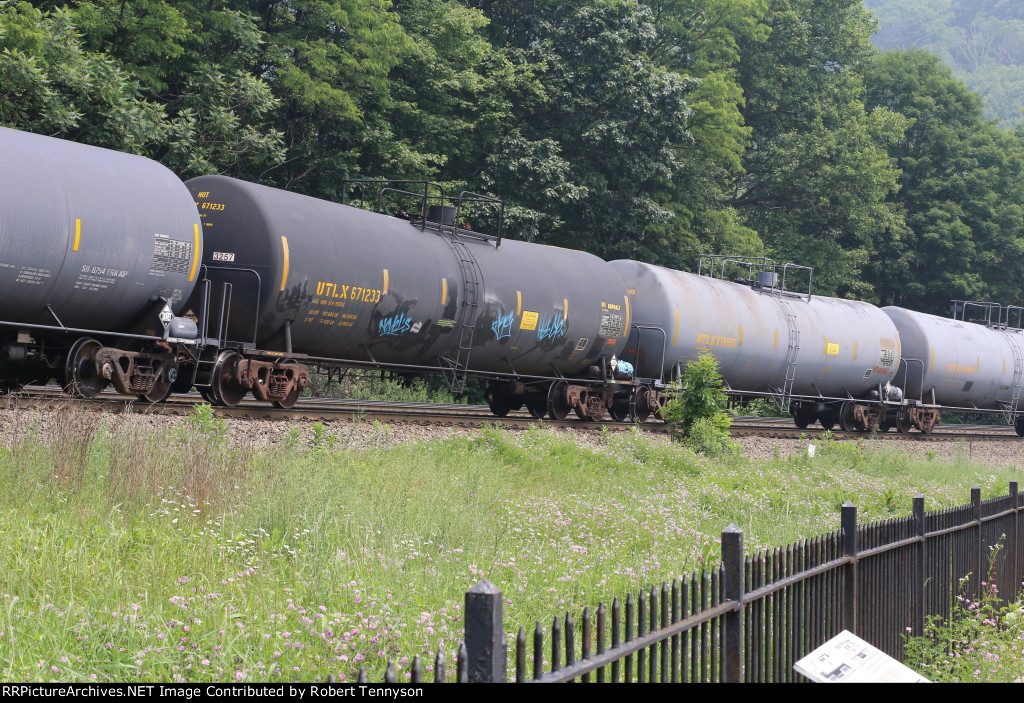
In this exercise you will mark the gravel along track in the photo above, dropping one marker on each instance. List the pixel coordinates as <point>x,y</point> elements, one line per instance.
<point>356,434</point>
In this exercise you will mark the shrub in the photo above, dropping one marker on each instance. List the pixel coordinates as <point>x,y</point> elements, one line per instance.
<point>981,641</point>
<point>697,412</point>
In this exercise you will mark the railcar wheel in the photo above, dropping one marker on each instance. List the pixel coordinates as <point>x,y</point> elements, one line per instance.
<point>292,398</point>
<point>80,378</point>
<point>538,407</point>
<point>1018,426</point>
<point>827,423</point>
<point>582,414</point>
<point>225,389</point>
<point>499,404</point>
<point>558,405</point>
<point>847,422</point>
<point>640,404</point>
<point>183,382</point>
<point>803,419</point>
<point>161,389</point>
<point>207,395</point>
<point>619,410</point>
<point>904,424</point>
<point>9,382</point>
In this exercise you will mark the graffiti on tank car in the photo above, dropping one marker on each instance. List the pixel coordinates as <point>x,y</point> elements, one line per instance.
<point>502,327</point>
<point>394,325</point>
<point>555,328</point>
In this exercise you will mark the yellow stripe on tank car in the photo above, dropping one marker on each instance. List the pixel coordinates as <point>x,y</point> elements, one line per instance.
<point>675,334</point>
<point>78,235</point>
<point>195,251</point>
<point>740,341</point>
<point>854,351</point>
<point>565,309</point>
<point>625,330</point>
<point>931,366</point>
<point>284,273</point>
<point>384,289</point>
<point>775,340</point>
<point>519,302</point>
<point>444,291</point>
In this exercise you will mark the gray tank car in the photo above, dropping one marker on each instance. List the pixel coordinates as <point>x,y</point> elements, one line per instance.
<point>959,364</point>
<point>91,241</point>
<point>326,282</point>
<point>823,353</point>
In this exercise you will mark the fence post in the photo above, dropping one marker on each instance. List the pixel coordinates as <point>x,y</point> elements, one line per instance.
<point>919,566</point>
<point>485,637</point>
<point>979,546</point>
<point>732,574</point>
<point>1013,567</point>
<point>850,547</point>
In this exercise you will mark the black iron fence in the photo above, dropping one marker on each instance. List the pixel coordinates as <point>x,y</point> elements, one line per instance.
<point>753,617</point>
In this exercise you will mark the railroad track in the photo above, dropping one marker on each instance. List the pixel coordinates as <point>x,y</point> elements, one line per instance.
<point>330,409</point>
<point>316,409</point>
<point>783,428</point>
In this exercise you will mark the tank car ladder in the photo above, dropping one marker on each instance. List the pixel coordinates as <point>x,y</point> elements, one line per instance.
<point>454,370</point>
<point>783,394</point>
<point>1018,371</point>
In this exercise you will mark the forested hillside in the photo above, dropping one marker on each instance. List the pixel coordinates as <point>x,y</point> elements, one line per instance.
<point>983,40</point>
<point>655,130</point>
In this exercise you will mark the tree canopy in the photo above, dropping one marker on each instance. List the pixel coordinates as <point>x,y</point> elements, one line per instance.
<point>657,130</point>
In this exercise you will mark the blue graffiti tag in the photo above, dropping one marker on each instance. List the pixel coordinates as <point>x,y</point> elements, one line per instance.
<point>555,328</point>
<point>502,327</point>
<point>395,325</point>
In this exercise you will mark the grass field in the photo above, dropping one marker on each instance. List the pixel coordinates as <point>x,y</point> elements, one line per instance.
<point>131,557</point>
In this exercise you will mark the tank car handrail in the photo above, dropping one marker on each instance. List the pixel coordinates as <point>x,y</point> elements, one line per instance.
<point>756,265</point>
<point>225,314</point>
<point>468,196</point>
<point>425,198</point>
<point>664,349</point>
<point>367,181</point>
<point>1003,313</point>
<point>905,367</point>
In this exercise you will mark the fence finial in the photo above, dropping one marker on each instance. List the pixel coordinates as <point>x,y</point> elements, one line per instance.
<point>485,638</point>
